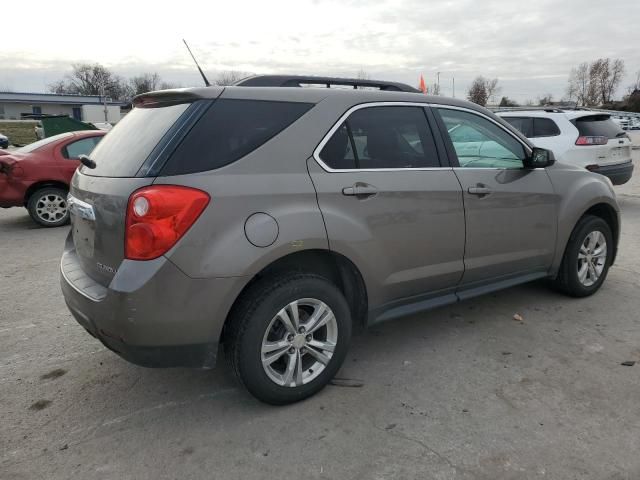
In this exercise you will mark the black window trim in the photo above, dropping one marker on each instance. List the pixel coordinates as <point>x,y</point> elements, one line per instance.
<point>343,119</point>
<point>453,157</point>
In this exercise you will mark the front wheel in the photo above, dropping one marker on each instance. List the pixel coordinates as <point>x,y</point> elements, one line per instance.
<point>587,258</point>
<point>48,207</point>
<point>288,337</point>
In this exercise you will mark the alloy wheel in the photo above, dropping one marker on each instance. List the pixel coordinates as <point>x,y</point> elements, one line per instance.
<point>592,258</point>
<point>299,342</point>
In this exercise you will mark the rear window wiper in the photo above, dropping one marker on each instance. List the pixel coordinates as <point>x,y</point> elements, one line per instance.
<point>621,134</point>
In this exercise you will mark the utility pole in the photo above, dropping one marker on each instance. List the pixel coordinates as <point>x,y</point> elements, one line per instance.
<point>104,100</point>
<point>438,83</point>
<point>453,79</point>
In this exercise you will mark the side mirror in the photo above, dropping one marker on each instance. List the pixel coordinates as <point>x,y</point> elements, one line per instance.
<point>539,158</point>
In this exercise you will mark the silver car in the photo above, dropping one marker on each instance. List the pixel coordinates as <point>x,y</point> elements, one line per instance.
<point>274,220</point>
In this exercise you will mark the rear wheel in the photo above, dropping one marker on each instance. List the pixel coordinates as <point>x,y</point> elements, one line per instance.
<point>288,337</point>
<point>587,258</point>
<point>48,207</point>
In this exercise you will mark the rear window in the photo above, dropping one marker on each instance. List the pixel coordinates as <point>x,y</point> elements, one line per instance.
<point>598,126</point>
<point>229,130</point>
<point>125,148</point>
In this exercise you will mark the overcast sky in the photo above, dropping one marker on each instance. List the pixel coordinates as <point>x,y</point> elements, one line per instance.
<point>530,46</point>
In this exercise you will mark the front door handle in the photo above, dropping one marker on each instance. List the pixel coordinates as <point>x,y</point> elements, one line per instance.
<point>361,190</point>
<point>480,190</point>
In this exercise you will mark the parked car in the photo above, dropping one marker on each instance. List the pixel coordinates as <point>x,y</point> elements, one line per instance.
<point>584,138</point>
<point>277,220</point>
<point>4,141</point>
<point>38,175</point>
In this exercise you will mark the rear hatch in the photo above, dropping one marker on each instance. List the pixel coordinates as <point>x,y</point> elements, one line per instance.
<point>616,147</point>
<point>126,159</point>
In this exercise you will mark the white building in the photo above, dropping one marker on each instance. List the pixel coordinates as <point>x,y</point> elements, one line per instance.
<point>86,108</point>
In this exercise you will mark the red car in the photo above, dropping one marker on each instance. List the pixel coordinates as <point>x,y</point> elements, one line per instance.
<point>38,176</point>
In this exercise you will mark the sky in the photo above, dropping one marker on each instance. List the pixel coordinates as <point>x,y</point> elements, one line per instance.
<point>529,46</point>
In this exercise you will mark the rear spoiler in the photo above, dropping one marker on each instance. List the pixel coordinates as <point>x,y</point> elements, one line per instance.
<point>163,98</point>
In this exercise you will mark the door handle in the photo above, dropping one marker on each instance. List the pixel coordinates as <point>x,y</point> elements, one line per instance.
<point>361,190</point>
<point>480,190</point>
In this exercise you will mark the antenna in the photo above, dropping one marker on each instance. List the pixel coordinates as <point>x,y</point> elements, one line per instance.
<point>206,82</point>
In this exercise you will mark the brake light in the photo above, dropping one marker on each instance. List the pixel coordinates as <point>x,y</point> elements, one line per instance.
<point>158,216</point>
<point>593,140</point>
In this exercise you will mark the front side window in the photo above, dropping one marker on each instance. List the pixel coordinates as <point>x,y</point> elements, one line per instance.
<point>80,147</point>
<point>480,143</point>
<point>382,137</point>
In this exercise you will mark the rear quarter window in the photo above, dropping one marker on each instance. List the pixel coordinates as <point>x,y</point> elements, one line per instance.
<point>229,130</point>
<point>545,127</point>
<point>598,126</point>
<point>523,124</point>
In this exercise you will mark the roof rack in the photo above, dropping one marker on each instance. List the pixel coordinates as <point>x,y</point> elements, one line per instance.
<point>301,80</point>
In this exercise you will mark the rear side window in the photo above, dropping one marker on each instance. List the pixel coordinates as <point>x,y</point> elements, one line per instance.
<point>523,124</point>
<point>598,126</point>
<point>382,137</point>
<point>125,148</point>
<point>229,130</point>
<point>545,127</point>
<point>80,147</point>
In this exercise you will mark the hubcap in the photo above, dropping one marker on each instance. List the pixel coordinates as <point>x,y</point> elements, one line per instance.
<point>592,258</point>
<point>299,342</point>
<point>51,208</point>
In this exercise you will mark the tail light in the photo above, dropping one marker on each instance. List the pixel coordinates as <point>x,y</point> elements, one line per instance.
<point>158,216</point>
<point>594,140</point>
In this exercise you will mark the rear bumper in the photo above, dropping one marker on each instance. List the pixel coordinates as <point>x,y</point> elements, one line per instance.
<point>151,314</point>
<point>618,174</point>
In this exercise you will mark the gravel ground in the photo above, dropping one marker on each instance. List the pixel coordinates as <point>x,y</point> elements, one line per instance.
<point>463,392</point>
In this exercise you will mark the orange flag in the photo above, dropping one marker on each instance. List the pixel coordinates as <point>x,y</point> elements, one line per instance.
<point>423,86</point>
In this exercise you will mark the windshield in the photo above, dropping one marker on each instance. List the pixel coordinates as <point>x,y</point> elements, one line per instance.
<point>41,143</point>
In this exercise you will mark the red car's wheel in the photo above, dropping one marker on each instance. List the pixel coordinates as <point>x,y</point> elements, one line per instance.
<point>48,207</point>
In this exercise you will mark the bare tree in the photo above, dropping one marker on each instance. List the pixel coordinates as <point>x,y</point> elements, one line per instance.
<point>482,89</point>
<point>87,79</point>
<point>435,89</point>
<point>578,87</point>
<point>492,88</point>
<point>147,82</point>
<point>229,77</point>
<point>477,92</point>
<point>616,72</point>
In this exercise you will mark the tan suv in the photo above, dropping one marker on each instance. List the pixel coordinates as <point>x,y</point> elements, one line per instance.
<point>273,219</point>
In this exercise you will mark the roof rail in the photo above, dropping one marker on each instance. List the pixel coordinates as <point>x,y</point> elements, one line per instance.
<point>302,80</point>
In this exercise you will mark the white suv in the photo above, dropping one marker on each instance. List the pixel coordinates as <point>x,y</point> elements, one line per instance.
<point>585,138</point>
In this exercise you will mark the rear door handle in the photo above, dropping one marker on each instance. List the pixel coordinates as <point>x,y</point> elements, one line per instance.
<point>361,190</point>
<point>479,190</point>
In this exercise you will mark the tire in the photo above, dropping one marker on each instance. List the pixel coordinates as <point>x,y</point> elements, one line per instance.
<point>257,325</point>
<point>569,280</point>
<point>48,207</point>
